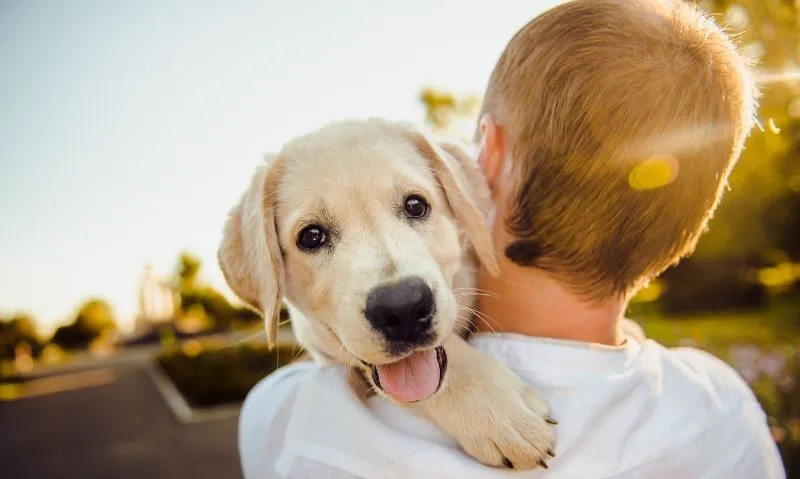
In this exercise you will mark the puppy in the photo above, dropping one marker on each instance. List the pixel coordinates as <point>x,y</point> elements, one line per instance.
<point>371,233</point>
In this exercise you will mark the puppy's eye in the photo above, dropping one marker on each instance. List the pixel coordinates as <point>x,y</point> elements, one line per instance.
<point>312,237</point>
<point>416,207</point>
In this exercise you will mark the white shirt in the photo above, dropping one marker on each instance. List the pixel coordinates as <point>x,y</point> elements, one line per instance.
<point>636,411</point>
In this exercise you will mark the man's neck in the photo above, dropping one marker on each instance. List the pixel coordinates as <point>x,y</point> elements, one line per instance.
<point>530,302</point>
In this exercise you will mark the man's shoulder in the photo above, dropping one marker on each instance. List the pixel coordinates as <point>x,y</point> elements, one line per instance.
<point>690,370</point>
<point>688,405</point>
<point>700,389</point>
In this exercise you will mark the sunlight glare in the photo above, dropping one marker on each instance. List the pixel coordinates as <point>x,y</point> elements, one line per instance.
<point>781,77</point>
<point>772,126</point>
<point>654,172</point>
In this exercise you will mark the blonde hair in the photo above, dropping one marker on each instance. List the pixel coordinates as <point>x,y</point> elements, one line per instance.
<point>623,121</point>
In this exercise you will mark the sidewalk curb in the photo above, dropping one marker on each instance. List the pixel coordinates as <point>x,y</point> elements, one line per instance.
<point>181,409</point>
<point>183,412</point>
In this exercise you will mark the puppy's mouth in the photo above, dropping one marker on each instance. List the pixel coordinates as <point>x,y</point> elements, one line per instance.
<point>413,378</point>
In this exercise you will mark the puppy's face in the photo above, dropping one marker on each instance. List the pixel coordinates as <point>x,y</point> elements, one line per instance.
<point>362,227</point>
<point>370,244</point>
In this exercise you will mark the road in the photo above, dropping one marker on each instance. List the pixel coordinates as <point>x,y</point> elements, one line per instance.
<point>119,429</point>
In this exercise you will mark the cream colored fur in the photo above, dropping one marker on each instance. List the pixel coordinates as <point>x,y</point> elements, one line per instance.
<point>353,175</point>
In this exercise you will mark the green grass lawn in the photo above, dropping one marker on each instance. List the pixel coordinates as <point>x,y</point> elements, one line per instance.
<point>777,327</point>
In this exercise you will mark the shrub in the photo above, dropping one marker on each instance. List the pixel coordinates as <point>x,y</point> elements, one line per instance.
<point>712,285</point>
<point>208,377</point>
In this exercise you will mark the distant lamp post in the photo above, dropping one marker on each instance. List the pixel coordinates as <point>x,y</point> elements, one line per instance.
<point>156,302</point>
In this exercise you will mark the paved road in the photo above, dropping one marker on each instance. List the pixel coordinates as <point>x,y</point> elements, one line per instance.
<point>118,430</point>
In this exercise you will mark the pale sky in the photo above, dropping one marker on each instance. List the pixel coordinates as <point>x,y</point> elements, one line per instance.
<point>129,128</point>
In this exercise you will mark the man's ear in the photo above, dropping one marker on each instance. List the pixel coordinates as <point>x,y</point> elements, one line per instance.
<point>466,190</point>
<point>491,150</point>
<point>250,255</point>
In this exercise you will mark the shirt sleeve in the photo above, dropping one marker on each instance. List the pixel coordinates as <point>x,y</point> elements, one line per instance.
<point>744,442</point>
<point>262,419</point>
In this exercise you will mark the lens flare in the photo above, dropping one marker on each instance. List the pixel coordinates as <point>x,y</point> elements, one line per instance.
<point>654,172</point>
<point>772,126</point>
<point>779,77</point>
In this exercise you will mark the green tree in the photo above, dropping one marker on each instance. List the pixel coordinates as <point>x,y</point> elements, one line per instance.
<point>195,293</point>
<point>19,330</point>
<point>188,270</point>
<point>758,211</point>
<point>94,318</point>
<point>446,112</point>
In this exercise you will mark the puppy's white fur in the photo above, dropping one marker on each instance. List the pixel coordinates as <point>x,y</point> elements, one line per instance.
<point>352,177</point>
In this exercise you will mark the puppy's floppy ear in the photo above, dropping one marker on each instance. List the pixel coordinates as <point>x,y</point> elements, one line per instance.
<point>466,190</point>
<point>250,255</point>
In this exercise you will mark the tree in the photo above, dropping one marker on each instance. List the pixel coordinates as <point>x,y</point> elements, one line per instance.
<point>93,319</point>
<point>195,293</point>
<point>756,226</point>
<point>448,113</point>
<point>188,270</point>
<point>19,331</point>
<point>759,214</point>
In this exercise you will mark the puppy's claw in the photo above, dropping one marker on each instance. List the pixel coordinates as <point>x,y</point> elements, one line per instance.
<point>542,464</point>
<point>550,420</point>
<point>507,463</point>
<point>551,453</point>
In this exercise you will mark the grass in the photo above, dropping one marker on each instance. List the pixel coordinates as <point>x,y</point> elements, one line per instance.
<point>776,328</point>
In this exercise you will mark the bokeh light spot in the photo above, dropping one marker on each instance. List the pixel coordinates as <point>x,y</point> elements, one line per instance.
<point>654,172</point>
<point>772,126</point>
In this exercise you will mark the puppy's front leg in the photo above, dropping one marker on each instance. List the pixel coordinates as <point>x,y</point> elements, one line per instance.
<point>490,411</point>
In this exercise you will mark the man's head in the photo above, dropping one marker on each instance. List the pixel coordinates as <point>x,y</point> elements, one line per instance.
<point>608,131</point>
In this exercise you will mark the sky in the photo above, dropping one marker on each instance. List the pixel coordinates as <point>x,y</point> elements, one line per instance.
<point>129,129</point>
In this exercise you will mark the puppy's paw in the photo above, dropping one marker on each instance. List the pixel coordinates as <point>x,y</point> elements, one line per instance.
<point>491,412</point>
<point>508,427</point>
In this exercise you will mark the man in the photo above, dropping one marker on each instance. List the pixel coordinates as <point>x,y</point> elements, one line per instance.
<point>608,130</point>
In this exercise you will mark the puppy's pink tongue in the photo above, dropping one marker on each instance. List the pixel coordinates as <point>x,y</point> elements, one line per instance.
<point>411,379</point>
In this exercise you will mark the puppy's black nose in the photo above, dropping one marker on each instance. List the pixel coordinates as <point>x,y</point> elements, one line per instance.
<point>401,311</point>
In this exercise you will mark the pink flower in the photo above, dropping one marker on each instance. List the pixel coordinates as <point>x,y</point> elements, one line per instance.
<point>778,433</point>
<point>745,354</point>
<point>772,364</point>
<point>749,373</point>
<point>786,383</point>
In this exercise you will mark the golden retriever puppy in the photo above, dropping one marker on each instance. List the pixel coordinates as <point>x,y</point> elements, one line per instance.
<point>371,233</point>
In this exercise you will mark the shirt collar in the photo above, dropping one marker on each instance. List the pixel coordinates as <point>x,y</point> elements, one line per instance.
<point>526,353</point>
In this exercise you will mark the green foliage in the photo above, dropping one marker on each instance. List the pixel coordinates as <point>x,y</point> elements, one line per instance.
<point>446,112</point>
<point>214,304</point>
<point>224,375</point>
<point>94,318</point>
<point>760,213</point>
<point>96,315</point>
<point>19,332</point>
<point>194,293</point>
<point>713,285</point>
<point>187,271</point>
